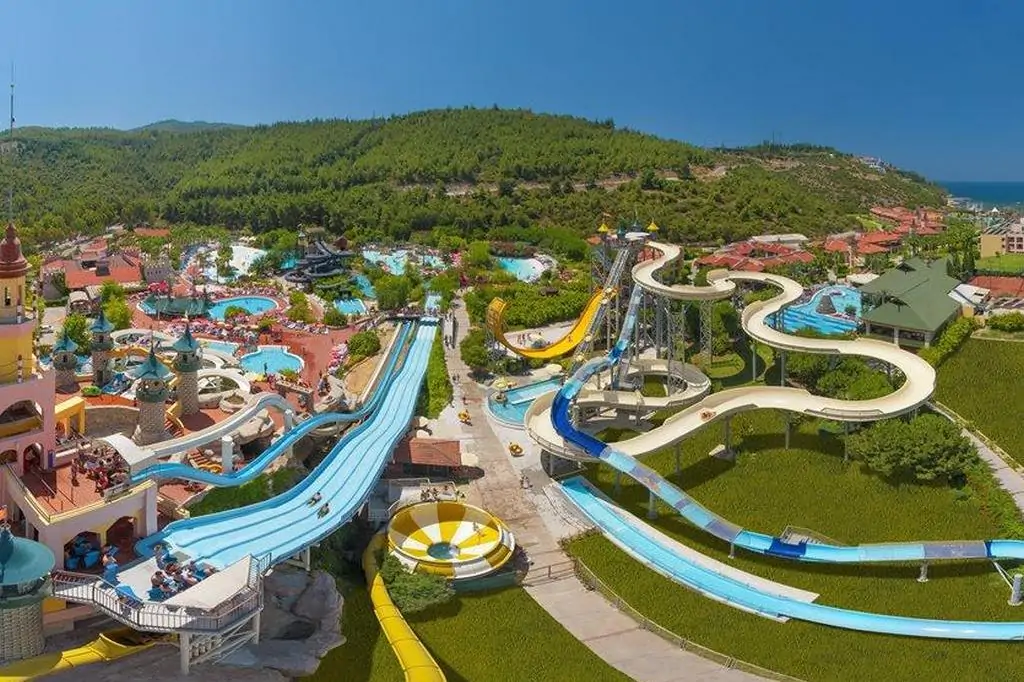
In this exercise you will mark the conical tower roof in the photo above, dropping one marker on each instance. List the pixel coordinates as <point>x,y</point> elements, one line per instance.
<point>151,368</point>
<point>101,325</point>
<point>65,344</point>
<point>12,261</point>
<point>186,342</point>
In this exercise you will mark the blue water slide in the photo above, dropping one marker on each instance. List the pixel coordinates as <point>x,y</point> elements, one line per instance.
<point>287,523</point>
<point>666,560</point>
<point>253,468</point>
<point>723,529</point>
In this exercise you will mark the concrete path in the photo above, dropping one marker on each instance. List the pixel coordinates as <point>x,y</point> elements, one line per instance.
<point>612,635</point>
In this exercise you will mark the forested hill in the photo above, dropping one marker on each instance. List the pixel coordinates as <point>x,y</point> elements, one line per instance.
<point>500,174</point>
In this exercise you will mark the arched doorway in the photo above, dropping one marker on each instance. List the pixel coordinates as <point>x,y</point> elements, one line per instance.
<point>23,409</point>
<point>121,534</point>
<point>82,552</point>
<point>32,457</point>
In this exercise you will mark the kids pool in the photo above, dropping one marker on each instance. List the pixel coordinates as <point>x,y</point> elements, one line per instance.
<point>350,306</point>
<point>523,269</point>
<point>518,400</point>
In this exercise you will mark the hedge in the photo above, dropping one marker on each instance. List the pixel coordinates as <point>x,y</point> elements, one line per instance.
<point>951,339</point>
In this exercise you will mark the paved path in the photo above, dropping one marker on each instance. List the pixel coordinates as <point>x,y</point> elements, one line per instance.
<point>612,635</point>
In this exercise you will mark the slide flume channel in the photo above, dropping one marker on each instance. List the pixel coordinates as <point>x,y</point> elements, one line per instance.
<point>253,468</point>
<point>915,391</point>
<point>286,524</point>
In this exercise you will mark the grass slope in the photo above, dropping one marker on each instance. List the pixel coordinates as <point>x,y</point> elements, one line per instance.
<point>809,486</point>
<point>1008,263</point>
<point>982,383</point>
<point>491,637</point>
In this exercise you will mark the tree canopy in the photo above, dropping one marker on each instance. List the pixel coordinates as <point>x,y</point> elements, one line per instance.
<point>473,174</point>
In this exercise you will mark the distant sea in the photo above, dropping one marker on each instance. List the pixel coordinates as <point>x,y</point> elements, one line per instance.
<point>988,193</point>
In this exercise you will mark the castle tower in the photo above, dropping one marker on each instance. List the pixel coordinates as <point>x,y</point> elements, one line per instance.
<point>24,580</point>
<point>102,344</point>
<point>151,391</point>
<point>186,364</point>
<point>26,388</point>
<point>66,363</point>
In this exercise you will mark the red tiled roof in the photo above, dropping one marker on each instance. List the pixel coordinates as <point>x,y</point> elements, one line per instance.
<point>429,452</point>
<point>152,232</point>
<point>122,270</point>
<point>879,238</point>
<point>1000,285</point>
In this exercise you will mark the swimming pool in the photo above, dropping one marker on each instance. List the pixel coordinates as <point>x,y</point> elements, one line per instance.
<point>226,347</point>
<point>523,269</point>
<point>273,359</point>
<point>289,262</point>
<point>432,303</point>
<point>807,315</point>
<point>365,287</point>
<point>518,400</point>
<point>350,306</point>
<point>256,305</point>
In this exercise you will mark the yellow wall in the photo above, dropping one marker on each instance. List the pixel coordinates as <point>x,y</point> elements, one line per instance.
<point>21,342</point>
<point>990,245</point>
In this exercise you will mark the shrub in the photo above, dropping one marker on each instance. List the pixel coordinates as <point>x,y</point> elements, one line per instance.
<point>413,592</point>
<point>926,448</point>
<point>92,391</point>
<point>437,389</point>
<point>1009,322</point>
<point>473,350</point>
<point>334,317</point>
<point>364,343</point>
<point>233,311</point>
<point>299,310</point>
<point>950,341</point>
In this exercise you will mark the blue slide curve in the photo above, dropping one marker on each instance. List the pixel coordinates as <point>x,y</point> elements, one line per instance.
<point>285,524</point>
<point>277,448</point>
<point>704,580</point>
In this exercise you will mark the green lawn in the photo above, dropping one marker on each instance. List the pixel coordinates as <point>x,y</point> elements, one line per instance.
<point>769,488</point>
<point>1010,263</point>
<point>491,637</point>
<point>982,382</point>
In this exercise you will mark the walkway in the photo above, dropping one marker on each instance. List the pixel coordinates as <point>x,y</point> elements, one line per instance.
<point>612,635</point>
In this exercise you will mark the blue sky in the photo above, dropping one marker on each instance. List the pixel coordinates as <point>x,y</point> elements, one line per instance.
<point>926,85</point>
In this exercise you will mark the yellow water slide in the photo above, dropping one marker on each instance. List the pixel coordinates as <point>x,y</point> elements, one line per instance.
<point>564,345</point>
<point>109,646</point>
<point>417,663</point>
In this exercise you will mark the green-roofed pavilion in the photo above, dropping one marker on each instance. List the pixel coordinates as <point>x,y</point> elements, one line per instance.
<point>910,303</point>
<point>178,306</point>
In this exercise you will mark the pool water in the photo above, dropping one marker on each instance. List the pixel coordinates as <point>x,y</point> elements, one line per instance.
<point>365,287</point>
<point>226,347</point>
<point>518,401</point>
<point>443,551</point>
<point>256,305</point>
<point>350,306</point>
<point>393,262</point>
<point>289,262</point>
<point>432,303</point>
<point>806,315</point>
<point>273,359</point>
<point>523,269</point>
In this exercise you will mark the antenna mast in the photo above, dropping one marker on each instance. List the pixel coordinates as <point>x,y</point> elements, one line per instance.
<point>10,136</point>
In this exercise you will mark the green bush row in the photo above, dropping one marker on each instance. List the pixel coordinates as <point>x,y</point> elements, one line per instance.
<point>437,389</point>
<point>1009,322</point>
<point>951,339</point>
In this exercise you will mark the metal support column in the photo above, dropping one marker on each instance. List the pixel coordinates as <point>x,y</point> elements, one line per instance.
<point>1015,595</point>
<point>617,487</point>
<point>184,651</point>
<point>846,442</point>
<point>706,311</point>
<point>922,577</point>
<point>652,505</point>
<point>789,430</point>
<point>782,369</point>
<point>753,360</point>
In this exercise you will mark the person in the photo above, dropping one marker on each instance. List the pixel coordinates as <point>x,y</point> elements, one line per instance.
<point>316,498</point>
<point>324,511</point>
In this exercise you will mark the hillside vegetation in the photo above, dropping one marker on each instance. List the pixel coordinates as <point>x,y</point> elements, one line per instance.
<point>468,172</point>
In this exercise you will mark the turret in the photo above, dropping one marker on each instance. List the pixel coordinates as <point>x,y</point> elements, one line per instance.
<point>151,391</point>
<point>24,581</point>
<point>65,361</point>
<point>102,344</point>
<point>187,363</point>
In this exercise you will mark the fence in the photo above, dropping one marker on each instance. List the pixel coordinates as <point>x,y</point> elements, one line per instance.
<point>591,581</point>
<point>970,428</point>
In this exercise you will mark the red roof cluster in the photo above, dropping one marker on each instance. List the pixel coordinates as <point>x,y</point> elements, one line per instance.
<point>752,256</point>
<point>864,244</point>
<point>921,221</point>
